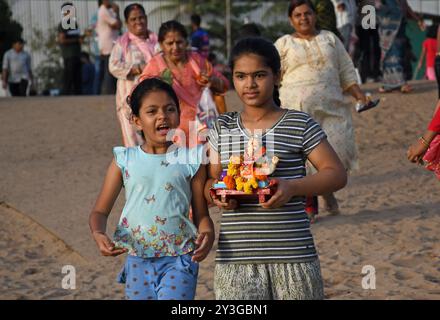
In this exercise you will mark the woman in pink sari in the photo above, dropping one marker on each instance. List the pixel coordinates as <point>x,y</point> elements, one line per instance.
<point>188,72</point>
<point>131,52</point>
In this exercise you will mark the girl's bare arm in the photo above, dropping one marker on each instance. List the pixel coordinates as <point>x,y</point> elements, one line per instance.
<point>98,217</point>
<point>331,177</point>
<point>201,217</point>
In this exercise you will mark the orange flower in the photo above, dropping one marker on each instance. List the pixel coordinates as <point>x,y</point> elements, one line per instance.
<point>260,178</point>
<point>229,182</point>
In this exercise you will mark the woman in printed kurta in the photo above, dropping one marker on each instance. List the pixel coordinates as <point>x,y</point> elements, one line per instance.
<point>316,70</point>
<point>130,54</point>
<point>188,72</point>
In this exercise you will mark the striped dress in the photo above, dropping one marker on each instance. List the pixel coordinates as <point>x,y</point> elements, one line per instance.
<point>251,234</point>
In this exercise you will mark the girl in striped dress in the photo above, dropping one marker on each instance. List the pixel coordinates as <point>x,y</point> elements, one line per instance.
<point>266,251</point>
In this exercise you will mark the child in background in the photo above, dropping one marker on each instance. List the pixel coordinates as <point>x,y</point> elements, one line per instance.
<point>266,251</point>
<point>429,50</point>
<point>162,243</point>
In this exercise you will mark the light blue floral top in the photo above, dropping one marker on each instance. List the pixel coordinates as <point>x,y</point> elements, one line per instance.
<point>154,221</point>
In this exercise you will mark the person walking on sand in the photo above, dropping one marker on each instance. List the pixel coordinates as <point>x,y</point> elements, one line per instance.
<point>316,71</point>
<point>70,41</point>
<point>17,70</point>
<point>107,28</point>
<point>187,71</point>
<point>199,36</point>
<point>163,244</point>
<point>392,16</point>
<point>266,251</point>
<point>429,50</point>
<point>427,147</point>
<point>130,54</point>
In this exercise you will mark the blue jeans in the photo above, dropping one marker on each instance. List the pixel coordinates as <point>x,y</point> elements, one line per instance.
<point>164,278</point>
<point>96,80</point>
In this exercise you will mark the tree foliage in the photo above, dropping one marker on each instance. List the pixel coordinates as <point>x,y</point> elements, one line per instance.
<point>10,29</point>
<point>273,24</point>
<point>48,73</point>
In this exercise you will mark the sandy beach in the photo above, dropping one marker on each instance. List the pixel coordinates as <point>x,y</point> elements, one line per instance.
<point>54,154</point>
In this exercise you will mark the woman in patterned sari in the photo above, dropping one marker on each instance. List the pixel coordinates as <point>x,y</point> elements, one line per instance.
<point>188,72</point>
<point>130,54</point>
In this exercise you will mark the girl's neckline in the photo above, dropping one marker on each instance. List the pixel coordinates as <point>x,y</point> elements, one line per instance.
<point>142,151</point>
<point>247,133</point>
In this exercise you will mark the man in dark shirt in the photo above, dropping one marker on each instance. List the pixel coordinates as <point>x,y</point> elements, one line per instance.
<point>69,38</point>
<point>199,37</point>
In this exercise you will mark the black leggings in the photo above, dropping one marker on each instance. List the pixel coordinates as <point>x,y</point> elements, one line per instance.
<point>437,73</point>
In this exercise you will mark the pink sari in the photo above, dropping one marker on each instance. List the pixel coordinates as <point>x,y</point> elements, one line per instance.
<point>129,50</point>
<point>432,156</point>
<point>185,85</point>
<point>146,47</point>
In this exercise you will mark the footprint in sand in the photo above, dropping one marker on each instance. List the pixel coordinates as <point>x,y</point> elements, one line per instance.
<point>27,270</point>
<point>403,275</point>
<point>406,263</point>
<point>30,271</point>
<point>431,278</point>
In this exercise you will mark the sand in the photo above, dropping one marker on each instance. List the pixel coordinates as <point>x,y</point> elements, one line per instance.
<point>54,153</point>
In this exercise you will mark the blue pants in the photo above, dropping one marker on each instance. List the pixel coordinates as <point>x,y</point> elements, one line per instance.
<point>164,278</point>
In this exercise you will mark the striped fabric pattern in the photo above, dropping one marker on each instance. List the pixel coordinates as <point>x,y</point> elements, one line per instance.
<point>251,234</point>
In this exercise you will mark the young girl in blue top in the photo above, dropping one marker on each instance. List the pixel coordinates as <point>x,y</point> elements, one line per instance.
<point>266,251</point>
<point>161,182</point>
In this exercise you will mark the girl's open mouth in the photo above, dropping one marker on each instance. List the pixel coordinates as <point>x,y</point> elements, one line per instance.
<point>163,129</point>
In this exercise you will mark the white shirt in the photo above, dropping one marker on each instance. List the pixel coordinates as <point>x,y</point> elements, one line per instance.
<point>343,17</point>
<point>18,65</point>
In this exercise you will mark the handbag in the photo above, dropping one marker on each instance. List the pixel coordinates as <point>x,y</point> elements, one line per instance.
<point>206,111</point>
<point>218,98</point>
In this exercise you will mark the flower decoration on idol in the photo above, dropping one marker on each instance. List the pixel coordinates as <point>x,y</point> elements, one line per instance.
<point>250,171</point>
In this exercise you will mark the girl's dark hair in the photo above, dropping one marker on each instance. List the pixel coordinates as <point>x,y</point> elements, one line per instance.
<point>145,87</point>
<point>296,3</point>
<point>134,6</point>
<point>171,26</point>
<point>263,48</point>
<point>432,31</point>
<point>249,30</point>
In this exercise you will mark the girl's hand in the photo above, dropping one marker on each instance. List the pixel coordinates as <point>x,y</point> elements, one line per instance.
<point>204,243</point>
<point>282,195</point>
<point>135,70</point>
<point>231,204</point>
<point>106,246</point>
